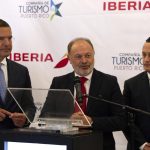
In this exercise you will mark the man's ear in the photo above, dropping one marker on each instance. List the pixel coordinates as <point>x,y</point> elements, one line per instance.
<point>68,56</point>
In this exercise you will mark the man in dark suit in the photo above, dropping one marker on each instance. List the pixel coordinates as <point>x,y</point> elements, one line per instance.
<point>16,76</point>
<point>102,116</point>
<point>137,95</point>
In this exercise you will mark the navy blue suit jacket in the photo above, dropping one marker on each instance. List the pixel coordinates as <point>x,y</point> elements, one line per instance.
<point>106,117</point>
<point>137,94</point>
<point>18,77</point>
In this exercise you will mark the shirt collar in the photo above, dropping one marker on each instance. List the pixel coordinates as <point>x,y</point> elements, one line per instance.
<point>148,75</point>
<point>4,62</point>
<point>89,76</point>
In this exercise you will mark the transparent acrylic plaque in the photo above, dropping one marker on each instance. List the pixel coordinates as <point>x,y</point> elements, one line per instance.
<point>54,109</point>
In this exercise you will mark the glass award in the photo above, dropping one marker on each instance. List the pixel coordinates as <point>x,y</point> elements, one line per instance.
<point>54,109</point>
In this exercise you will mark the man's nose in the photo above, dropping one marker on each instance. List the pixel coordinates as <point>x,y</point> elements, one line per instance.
<point>84,59</point>
<point>147,58</point>
<point>6,41</point>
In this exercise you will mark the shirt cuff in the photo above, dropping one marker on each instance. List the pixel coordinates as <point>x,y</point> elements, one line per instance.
<point>142,146</point>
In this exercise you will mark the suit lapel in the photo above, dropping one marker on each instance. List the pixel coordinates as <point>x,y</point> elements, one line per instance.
<point>11,73</point>
<point>146,89</point>
<point>70,82</point>
<point>96,81</point>
<point>1,103</point>
<point>95,88</point>
<point>11,81</point>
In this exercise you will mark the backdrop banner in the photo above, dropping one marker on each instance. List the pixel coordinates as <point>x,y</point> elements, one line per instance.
<point>43,28</point>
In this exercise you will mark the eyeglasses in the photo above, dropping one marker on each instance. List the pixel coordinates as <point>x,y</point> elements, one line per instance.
<point>87,56</point>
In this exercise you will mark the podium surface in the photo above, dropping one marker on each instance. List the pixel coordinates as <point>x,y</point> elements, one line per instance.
<point>74,140</point>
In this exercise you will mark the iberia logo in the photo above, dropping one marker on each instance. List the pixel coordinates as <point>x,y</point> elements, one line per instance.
<point>55,9</point>
<point>63,62</point>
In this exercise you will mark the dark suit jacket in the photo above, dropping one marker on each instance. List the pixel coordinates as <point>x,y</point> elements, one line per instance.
<point>106,117</point>
<point>18,77</point>
<point>137,94</point>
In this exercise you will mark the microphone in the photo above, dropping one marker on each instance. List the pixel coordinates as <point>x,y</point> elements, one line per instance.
<point>77,84</point>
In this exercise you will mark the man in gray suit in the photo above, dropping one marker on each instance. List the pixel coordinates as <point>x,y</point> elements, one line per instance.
<point>137,94</point>
<point>103,116</point>
<point>16,76</point>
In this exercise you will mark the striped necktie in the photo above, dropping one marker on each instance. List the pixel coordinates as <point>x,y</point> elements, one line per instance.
<point>2,84</point>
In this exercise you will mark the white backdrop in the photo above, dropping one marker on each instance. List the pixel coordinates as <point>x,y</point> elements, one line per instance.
<point>43,28</point>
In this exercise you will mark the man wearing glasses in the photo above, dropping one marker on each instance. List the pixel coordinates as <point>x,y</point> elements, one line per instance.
<point>102,116</point>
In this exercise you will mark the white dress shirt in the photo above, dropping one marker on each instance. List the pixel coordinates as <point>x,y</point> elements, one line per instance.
<point>87,83</point>
<point>148,76</point>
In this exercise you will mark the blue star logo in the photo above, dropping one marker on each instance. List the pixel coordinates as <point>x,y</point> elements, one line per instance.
<point>55,9</point>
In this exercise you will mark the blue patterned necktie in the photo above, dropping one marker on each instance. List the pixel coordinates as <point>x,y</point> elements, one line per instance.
<point>2,84</point>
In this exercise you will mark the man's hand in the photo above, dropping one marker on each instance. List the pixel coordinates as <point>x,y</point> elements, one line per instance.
<point>3,114</point>
<point>147,146</point>
<point>19,119</point>
<point>80,116</point>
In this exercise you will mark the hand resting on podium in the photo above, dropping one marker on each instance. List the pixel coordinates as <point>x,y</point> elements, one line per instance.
<point>3,114</point>
<point>87,121</point>
<point>19,119</point>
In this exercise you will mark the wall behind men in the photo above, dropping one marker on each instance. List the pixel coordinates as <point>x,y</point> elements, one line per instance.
<point>43,28</point>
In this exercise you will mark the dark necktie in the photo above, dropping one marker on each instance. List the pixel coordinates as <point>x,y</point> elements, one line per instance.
<point>2,85</point>
<point>84,99</point>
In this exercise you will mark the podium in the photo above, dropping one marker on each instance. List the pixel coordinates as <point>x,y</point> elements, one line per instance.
<point>52,127</point>
<point>74,140</point>
<point>56,109</point>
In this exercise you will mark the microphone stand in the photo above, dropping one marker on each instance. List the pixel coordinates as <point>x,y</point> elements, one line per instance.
<point>117,104</point>
<point>130,115</point>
